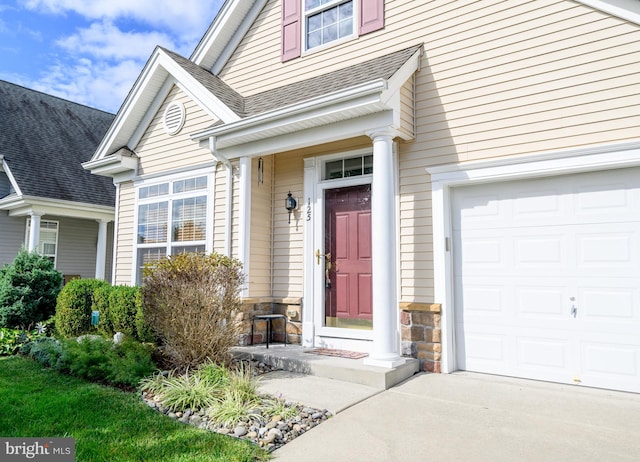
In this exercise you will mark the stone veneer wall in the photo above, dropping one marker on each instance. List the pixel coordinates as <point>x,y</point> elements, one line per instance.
<point>290,307</point>
<point>420,330</point>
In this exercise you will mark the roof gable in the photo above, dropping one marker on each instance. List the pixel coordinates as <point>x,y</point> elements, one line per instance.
<point>44,140</point>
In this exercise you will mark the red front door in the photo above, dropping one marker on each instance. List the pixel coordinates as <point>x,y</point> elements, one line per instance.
<point>348,290</point>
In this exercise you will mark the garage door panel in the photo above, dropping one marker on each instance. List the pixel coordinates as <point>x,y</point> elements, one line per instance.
<point>543,353</point>
<point>609,359</point>
<point>525,254</point>
<point>541,302</point>
<point>607,304</point>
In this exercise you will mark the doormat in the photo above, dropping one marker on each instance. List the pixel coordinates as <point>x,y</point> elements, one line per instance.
<point>337,353</point>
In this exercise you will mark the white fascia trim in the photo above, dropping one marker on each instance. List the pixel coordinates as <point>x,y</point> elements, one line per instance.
<point>26,205</point>
<point>445,177</point>
<point>151,112</point>
<point>159,67</point>
<point>123,118</point>
<point>285,114</point>
<point>207,100</point>
<point>112,165</point>
<point>223,56</point>
<point>232,17</point>
<point>12,180</point>
<point>302,138</point>
<point>625,9</point>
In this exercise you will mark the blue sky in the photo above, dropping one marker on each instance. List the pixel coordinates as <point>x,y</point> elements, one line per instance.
<point>91,51</point>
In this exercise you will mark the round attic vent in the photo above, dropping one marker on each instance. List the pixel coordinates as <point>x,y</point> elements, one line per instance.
<point>173,118</point>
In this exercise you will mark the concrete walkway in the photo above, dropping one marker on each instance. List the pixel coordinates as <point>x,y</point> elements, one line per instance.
<point>470,417</point>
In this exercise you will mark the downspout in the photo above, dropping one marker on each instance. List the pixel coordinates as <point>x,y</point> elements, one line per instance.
<point>228,194</point>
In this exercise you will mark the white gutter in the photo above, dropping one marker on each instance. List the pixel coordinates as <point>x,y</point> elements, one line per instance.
<point>229,193</point>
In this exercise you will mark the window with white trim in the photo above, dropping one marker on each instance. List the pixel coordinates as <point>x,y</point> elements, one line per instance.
<point>172,219</point>
<point>311,24</point>
<point>48,242</point>
<point>327,20</point>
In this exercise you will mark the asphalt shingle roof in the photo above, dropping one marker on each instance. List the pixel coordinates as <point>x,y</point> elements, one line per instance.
<point>44,140</point>
<point>382,67</point>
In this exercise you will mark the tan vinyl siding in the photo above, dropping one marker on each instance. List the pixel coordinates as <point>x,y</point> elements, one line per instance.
<point>160,152</point>
<point>407,114</point>
<point>261,226</point>
<point>287,238</point>
<point>125,234</point>
<point>219,207</point>
<point>497,79</point>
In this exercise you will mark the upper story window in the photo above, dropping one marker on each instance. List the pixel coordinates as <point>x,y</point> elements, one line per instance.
<point>308,24</point>
<point>327,21</point>
<point>172,219</point>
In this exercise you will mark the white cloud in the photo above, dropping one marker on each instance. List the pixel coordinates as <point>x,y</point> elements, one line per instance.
<point>105,40</point>
<point>99,63</point>
<point>97,84</point>
<point>182,17</point>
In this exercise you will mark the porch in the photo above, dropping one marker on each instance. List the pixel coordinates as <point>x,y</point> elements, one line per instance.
<point>299,359</point>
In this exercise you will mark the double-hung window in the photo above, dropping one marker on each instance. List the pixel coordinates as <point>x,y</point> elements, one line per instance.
<point>311,24</point>
<point>327,21</point>
<point>48,242</point>
<point>172,219</point>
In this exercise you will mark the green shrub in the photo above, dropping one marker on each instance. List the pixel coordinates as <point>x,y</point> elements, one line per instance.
<point>73,310</point>
<point>45,351</point>
<point>101,304</point>
<point>28,290</point>
<point>189,302</point>
<point>123,306</point>
<point>97,359</point>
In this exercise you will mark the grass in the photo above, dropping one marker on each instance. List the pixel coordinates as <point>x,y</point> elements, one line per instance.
<point>107,424</point>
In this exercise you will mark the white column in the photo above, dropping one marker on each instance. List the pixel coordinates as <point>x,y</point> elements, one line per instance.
<point>244,251</point>
<point>101,249</point>
<point>311,305</point>
<point>34,232</point>
<point>386,344</point>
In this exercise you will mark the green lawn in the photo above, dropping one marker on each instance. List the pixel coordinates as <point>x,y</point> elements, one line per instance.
<point>107,424</point>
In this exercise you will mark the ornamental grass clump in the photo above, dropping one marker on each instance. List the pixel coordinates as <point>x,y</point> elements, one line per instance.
<point>189,301</point>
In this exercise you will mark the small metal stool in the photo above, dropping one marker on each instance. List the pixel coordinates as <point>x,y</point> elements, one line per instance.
<point>269,318</point>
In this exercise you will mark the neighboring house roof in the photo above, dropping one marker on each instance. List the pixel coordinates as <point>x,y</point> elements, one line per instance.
<point>45,139</point>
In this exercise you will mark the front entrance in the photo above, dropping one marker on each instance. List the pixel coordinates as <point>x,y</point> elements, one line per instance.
<point>347,258</point>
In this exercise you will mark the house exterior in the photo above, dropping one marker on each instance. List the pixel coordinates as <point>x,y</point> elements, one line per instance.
<point>48,202</point>
<point>454,181</point>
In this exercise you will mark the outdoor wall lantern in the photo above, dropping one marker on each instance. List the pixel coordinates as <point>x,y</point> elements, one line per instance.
<point>290,204</point>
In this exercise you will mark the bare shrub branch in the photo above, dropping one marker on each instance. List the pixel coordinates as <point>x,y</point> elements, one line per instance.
<point>190,300</point>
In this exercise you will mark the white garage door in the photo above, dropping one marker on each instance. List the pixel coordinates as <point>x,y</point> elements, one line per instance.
<point>547,278</point>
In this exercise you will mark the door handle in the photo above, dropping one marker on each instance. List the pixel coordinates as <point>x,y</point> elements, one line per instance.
<point>574,311</point>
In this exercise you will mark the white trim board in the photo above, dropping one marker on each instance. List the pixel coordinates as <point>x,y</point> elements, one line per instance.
<point>446,177</point>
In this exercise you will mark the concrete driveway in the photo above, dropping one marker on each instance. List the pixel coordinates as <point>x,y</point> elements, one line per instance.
<point>475,417</point>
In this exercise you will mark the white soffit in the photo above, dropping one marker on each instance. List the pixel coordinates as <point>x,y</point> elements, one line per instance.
<point>625,9</point>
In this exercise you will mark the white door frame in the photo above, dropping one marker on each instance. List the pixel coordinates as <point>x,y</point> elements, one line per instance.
<point>445,177</point>
<point>314,333</point>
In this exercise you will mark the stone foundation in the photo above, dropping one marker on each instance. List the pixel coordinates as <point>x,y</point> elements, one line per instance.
<point>290,307</point>
<point>420,329</point>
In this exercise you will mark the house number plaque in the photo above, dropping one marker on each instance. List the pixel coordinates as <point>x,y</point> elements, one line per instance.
<point>308,209</point>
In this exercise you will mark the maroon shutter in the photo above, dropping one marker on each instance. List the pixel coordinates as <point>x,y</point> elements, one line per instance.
<point>290,29</point>
<point>371,16</point>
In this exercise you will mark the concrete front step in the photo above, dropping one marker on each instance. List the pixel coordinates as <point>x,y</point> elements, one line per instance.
<point>294,358</point>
